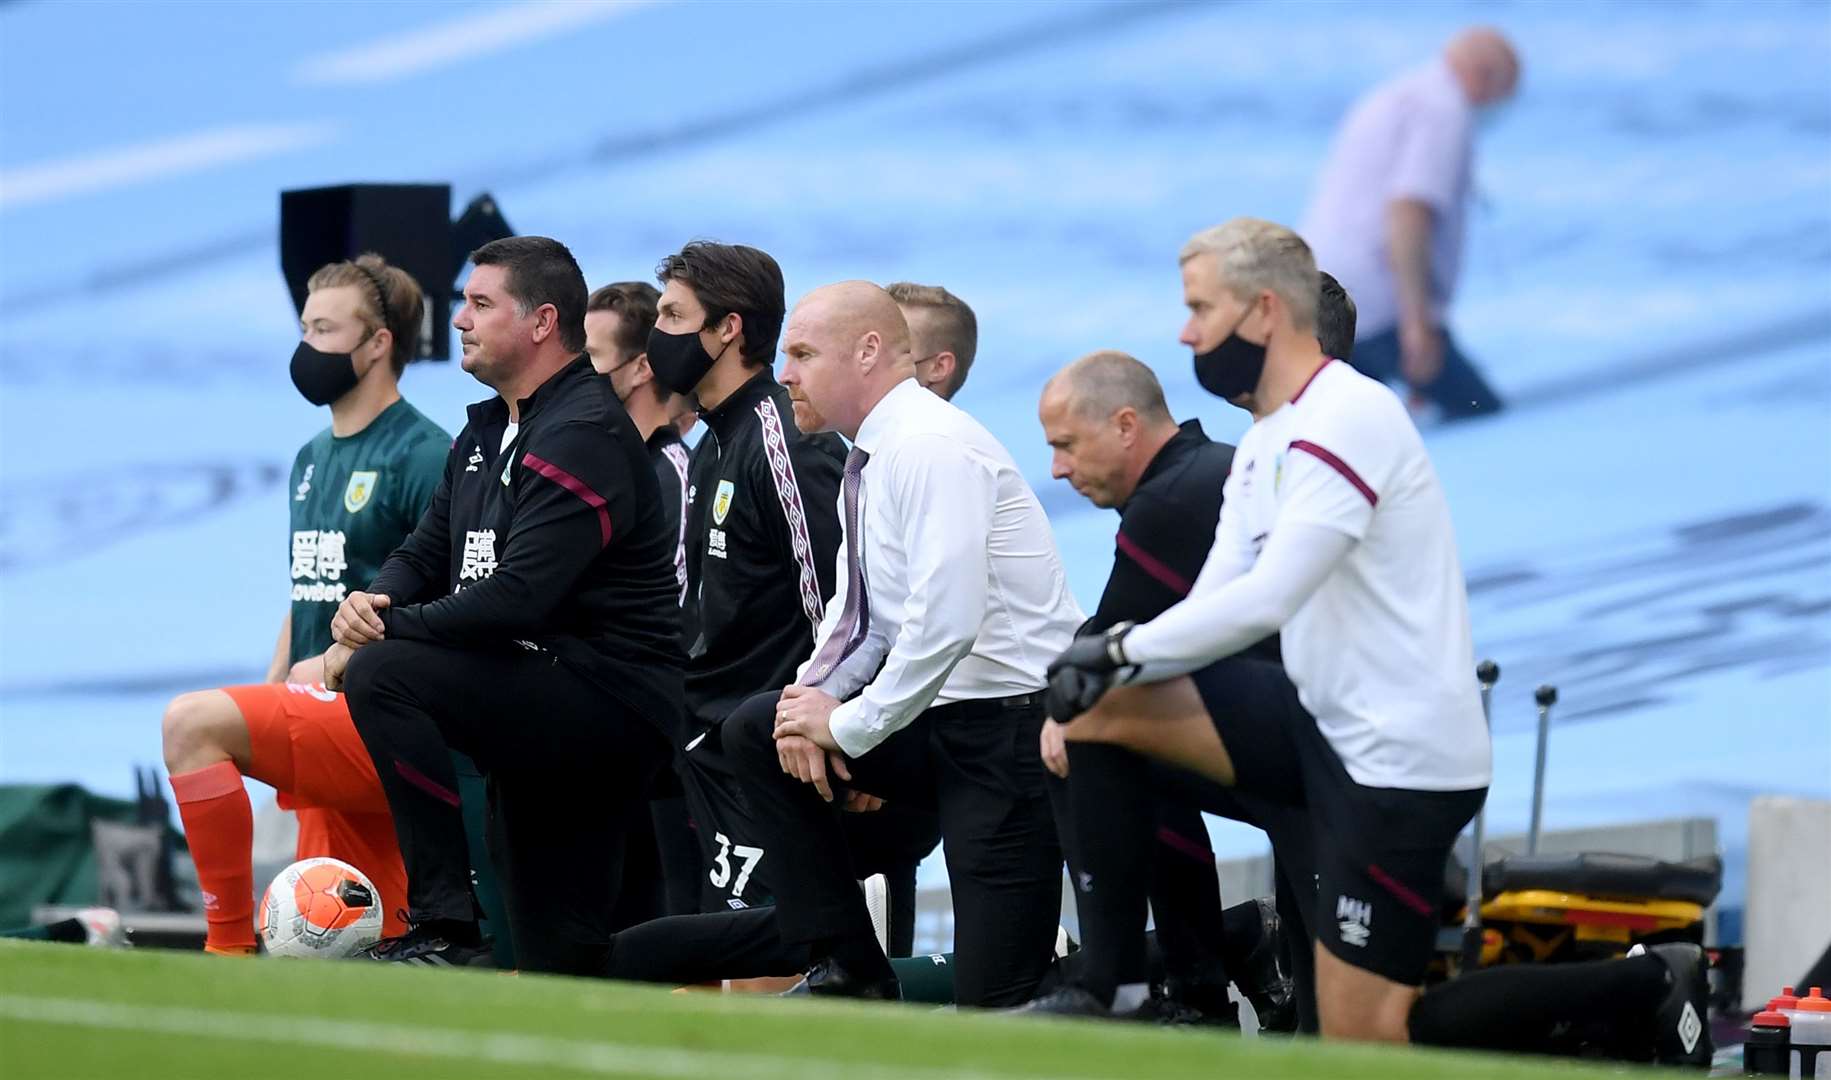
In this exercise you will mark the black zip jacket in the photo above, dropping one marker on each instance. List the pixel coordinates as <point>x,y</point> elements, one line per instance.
<point>1165,532</point>
<point>558,542</point>
<point>762,537</point>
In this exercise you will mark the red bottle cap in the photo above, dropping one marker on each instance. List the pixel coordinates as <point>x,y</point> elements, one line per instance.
<point>1815,1002</point>
<point>1786,999</point>
<point>1771,1019</point>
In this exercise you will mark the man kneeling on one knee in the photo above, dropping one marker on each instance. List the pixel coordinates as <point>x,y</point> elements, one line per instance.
<point>1335,531</point>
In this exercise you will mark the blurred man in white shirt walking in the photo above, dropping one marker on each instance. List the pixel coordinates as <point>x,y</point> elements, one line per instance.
<point>1390,208</point>
<point>928,668</point>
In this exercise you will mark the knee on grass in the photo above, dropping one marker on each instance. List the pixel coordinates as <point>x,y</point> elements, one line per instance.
<point>1357,1005</point>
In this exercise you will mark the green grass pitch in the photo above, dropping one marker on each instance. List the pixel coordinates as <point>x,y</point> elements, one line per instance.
<point>67,1011</point>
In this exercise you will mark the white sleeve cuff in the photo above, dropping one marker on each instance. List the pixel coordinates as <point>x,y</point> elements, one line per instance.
<point>852,729</point>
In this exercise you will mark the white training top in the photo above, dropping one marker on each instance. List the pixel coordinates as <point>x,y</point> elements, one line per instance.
<point>1409,138</point>
<point>967,595</point>
<point>1335,530</point>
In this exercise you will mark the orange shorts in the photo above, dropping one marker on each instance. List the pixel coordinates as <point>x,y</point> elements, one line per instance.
<point>307,748</point>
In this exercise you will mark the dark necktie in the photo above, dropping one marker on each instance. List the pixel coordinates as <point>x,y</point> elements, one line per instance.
<point>855,621</point>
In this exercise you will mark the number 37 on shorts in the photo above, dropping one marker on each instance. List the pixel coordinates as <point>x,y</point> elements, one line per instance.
<point>742,857</point>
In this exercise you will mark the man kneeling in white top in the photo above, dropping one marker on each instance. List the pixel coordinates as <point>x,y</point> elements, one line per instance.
<point>928,669</point>
<point>1335,531</point>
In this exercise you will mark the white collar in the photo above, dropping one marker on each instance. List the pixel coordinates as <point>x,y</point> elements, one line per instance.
<point>876,422</point>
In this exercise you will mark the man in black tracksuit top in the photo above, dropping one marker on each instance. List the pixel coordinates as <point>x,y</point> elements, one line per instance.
<point>1103,415</point>
<point>662,869</point>
<point>530,621</point>
<point>762,537</point>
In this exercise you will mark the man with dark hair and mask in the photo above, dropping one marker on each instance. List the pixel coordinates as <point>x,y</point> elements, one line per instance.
<point>358,487</point>
<point>662,870</point>
<point>618,321</point>
<point>762,535</point>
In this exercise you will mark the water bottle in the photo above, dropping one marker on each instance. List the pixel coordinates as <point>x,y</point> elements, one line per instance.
<point>1767,1053</point>
<point>1810,1035</point>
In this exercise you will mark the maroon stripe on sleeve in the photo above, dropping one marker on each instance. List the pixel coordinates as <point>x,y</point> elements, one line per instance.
<point>1339,466</point>
<point>577,487</point>
<point>1152,565</point>
<point>426,783</point>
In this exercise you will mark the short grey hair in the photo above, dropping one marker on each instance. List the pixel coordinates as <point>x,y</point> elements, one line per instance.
<point>1253,255</point>
<point>1101,383</point>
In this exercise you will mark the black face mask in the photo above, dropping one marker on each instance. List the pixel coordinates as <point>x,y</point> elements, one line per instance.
<point>679,361</point>
<point>322,377</point>
<point>622,397</point>
<point>1233,367</point>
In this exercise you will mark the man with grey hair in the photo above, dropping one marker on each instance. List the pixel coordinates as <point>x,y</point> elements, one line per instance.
<point>1335,531</point>
<point>1114,441</point>
<point>943,332</point>
<point>926,681</point>
<point>1389,210</point>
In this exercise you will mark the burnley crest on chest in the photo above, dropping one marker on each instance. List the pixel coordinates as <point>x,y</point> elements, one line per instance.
<point>360,489</point>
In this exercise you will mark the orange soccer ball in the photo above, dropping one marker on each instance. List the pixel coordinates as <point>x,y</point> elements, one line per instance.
<point>319,907</point>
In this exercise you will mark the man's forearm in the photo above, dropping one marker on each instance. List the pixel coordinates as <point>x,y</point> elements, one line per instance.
<point>404,578</point>
<point>278,666</point>
<point>1408,239</point>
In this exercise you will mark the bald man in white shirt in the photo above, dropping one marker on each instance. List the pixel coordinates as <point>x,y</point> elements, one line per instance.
<point>1389,212</point>
<point>928,668</point>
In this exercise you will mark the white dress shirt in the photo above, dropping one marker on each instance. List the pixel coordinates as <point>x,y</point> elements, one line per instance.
<point>966,592</point>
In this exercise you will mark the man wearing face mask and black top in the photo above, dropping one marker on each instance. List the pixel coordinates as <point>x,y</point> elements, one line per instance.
<point>357,488</point>
<point>662,870</point>
<point>1168,513</point>
<point>618,321</point>
<point>762,531</point>
<point>1335,531</point>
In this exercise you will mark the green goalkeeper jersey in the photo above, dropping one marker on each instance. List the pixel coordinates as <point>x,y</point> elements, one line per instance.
<point>353,501</point>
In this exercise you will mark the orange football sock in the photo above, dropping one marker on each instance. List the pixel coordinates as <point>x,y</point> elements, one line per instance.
<point>219,826</point>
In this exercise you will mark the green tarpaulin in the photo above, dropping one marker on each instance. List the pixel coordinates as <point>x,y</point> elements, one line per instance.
<point>47,854</point>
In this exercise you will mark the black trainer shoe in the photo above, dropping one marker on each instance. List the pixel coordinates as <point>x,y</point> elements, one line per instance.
<point>1262,981</point>
<point>1067,1001</point>
<point>1173,1007</point>
<point>828,979</point>
<point>425,945</point>
<point>1682,1034</point>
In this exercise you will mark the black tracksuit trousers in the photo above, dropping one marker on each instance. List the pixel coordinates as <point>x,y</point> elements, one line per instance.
<point>976,764</point>
<point>568,768</point>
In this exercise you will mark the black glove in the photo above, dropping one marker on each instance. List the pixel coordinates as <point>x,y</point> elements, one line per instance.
<point>1084,671</point>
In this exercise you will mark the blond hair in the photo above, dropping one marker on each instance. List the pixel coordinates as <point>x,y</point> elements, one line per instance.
<point>1253,255</point>
<point>390,298</point>
<point>955,323</point>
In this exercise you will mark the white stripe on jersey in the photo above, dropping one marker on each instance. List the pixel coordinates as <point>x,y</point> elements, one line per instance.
<point>788,493</point>
<point>677,457</point>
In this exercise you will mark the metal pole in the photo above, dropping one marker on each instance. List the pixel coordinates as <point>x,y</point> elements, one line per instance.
<point>1546,696</point>
<point>1487,673</point>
